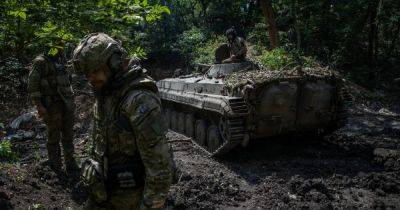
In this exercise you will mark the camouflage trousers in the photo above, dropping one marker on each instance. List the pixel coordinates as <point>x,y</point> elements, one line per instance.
<point>118,199</point>
<point>59,121</point>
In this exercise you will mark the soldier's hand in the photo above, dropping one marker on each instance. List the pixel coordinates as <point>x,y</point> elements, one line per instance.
<point>93,178</point>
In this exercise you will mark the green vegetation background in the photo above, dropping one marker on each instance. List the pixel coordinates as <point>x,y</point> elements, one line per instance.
<point>336,33</point>
<point>360,37</point>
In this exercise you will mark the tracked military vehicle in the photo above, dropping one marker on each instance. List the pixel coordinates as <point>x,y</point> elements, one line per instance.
<point>232,104</point>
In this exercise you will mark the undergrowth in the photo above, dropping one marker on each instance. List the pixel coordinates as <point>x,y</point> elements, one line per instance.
<point>200,49</point>
<point>6,150</point>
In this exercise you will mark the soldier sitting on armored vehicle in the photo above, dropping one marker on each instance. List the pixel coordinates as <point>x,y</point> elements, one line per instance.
<point>233,52</point>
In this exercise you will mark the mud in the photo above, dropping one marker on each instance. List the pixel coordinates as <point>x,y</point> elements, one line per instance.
<point>356,167</point>
<point>336,172</point>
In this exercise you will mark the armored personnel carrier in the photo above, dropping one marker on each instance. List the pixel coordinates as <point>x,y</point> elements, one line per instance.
<point>232,104</point>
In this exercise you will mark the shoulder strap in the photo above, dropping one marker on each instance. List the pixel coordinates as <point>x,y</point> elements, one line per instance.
<point>140,83</point>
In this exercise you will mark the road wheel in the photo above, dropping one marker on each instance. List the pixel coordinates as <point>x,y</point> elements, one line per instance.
<point>201,132</point>
<point>181,123</point>
<point>189,125</point>
<point>174,120</point>
<point>213,138</point>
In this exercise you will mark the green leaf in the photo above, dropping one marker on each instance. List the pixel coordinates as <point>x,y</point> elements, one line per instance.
<point>18,14</point>
<point>49,27</point>
<point>53,51</point>
<point>22,15</point>
<point>6,149</point>
<point>132,18</point>
<point>165,9</point>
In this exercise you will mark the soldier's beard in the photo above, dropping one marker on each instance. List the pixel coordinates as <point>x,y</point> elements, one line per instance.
<point>100,80</point>
<point>102,87</point>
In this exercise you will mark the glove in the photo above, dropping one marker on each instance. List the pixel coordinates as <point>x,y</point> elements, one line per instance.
<point>92,175</point>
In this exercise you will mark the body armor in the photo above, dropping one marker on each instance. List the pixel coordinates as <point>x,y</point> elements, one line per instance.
<point>55,83</point>
<point>114,144</point>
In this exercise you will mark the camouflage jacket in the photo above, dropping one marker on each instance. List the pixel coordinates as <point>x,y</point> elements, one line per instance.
<point>129,130</point>
<point>238,47</point>
<point>49,81</point>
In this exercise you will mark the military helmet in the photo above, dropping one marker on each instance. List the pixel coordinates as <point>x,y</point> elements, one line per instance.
<point>231,32</point>
<point>96,50</point>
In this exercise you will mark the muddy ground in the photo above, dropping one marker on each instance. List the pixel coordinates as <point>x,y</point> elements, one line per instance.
<point>357,167</point>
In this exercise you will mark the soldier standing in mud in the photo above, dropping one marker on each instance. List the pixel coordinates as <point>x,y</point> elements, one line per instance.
<point>237,47</point>
<point>49,86</point>
<point>131,164</point>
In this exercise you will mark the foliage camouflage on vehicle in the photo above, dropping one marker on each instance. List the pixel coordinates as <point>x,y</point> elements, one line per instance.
<point>261,75</point>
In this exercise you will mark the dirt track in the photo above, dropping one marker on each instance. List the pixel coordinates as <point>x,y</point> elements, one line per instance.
<point>342,171</point>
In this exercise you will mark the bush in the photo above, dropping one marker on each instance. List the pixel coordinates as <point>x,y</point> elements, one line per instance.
<point>205,53</point>
<point>197,47</point>
<point>279,59</point>
<point>275,59</point>
<point>6,149</point>
<point>255,50</point>
<point>190,40</point>
<point>258,35</point>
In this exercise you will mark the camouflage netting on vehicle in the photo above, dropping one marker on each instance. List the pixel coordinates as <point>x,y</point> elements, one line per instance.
<point>261,75</point>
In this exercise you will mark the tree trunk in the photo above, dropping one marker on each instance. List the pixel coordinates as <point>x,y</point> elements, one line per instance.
<point>297,25</point>
<point>377,24</point>
<point>194,19</point>
<point>269,15</point>
<point>204,5</point>
<point>372,22</point>
<point>394,40</point>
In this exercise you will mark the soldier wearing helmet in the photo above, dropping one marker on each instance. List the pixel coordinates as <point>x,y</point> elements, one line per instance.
<point>50,89</point>
<point>236,46</point>
<point>131,164</point>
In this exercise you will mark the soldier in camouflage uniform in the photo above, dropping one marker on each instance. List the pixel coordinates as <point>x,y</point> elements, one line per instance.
<point>237,47</point>
<point>50,89</point>
<point>131,164</point>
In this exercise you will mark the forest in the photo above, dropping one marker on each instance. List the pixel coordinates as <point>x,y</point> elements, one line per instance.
<point>355,167</point>
<point>358,37</point>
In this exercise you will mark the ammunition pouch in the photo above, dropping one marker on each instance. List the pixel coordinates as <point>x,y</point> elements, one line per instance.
<point>93,178</point>
<point>126,176</point>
